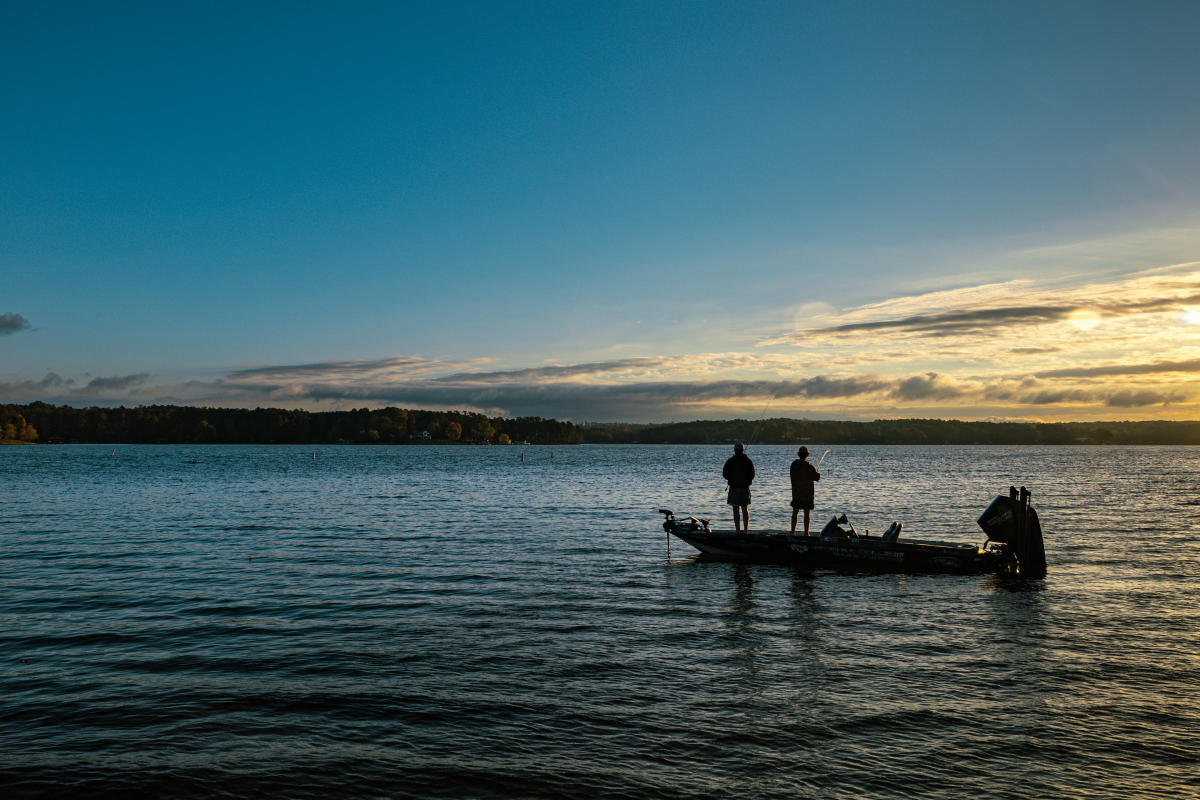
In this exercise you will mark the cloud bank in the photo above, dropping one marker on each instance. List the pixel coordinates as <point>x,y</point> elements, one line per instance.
<point>1095,350</point>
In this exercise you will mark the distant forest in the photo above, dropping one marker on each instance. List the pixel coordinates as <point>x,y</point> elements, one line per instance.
<point>42,422</point>
<point>897,431</point>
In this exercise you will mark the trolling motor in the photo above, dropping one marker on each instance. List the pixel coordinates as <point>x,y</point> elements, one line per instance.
<point>670,524</point>
<point>1013,523</point>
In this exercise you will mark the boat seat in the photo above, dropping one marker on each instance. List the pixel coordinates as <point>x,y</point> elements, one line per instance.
<point>893,532</point>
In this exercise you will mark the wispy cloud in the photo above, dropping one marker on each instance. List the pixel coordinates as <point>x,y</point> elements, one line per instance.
<point>11,323</point>
<point>1121,398</point>
<point>563,371</point>
<point>55,388</point>
<point>504,393</point>
<point>1048,397</point>
<point>19,391</point>
<point>350,369</point>
<point>988,308</point>
<point>929,386</point>
<point>1132,399</point>
<point>1192,365</point>
<point>954,322</point>
<point>572,399</point>
<point>105,386</point>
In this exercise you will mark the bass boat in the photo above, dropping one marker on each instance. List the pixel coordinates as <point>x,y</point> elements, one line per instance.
<point>1013,544</point>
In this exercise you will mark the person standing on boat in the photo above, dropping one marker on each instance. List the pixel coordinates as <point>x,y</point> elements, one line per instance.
<point>804,475</point>
<point>739,472</point>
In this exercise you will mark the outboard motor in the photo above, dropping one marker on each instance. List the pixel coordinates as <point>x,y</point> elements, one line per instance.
<point>999,520</point>
<point>1013,521</point>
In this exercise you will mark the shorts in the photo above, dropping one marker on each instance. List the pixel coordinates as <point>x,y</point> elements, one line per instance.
<point>738,496</point>
<point>802,500</point>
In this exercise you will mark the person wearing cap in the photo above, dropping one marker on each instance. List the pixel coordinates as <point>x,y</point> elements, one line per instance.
<point>739,472</point>
<point>804,475</point>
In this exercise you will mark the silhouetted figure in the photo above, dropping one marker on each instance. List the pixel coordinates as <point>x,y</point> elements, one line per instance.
<point>739,472</point>
<point>804,475</point>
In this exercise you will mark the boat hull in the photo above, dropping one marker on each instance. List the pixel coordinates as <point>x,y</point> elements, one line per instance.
<point>855,553</point>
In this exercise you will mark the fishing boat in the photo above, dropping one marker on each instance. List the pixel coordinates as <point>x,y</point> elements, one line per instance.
<point>1013,544</point>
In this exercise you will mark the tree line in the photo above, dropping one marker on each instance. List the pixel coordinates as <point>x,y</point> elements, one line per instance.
<point>42,422</point>
<point>14,427</point>
<point>898,431</point>
<point>193,425</point>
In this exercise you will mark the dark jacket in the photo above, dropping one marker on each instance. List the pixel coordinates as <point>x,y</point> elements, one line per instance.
<point>739,470</point>
<point>804,475</point>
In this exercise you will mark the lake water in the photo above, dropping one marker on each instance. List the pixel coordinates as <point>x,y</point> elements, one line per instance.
<point>221,621</point>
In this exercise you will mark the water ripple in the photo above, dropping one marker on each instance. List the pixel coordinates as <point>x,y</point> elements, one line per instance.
<point>449,622</point>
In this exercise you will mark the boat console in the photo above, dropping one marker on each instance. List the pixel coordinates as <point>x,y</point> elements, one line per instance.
<point>834,530</point>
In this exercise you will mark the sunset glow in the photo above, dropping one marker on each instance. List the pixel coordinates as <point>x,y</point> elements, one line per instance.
<point>1085,319</point>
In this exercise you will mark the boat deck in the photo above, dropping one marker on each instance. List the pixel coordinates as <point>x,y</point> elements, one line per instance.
<point>780,534</point>
<point>861,552</point>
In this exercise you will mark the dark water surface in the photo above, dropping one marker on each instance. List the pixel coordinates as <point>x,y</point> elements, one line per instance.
<point>450,622</point>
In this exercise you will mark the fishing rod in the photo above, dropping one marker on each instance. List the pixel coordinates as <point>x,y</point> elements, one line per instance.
<point>822,459</point>
<point>761,416</point>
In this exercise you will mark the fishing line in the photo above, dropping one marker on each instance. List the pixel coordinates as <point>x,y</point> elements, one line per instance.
<point>761,416</point>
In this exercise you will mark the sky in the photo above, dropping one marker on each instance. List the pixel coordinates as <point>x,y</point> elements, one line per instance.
<point>644,211</point>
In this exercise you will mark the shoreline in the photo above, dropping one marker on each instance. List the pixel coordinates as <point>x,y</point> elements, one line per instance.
<point>602,444</point>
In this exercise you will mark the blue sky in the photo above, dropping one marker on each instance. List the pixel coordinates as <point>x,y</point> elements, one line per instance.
<point>604,211</point>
